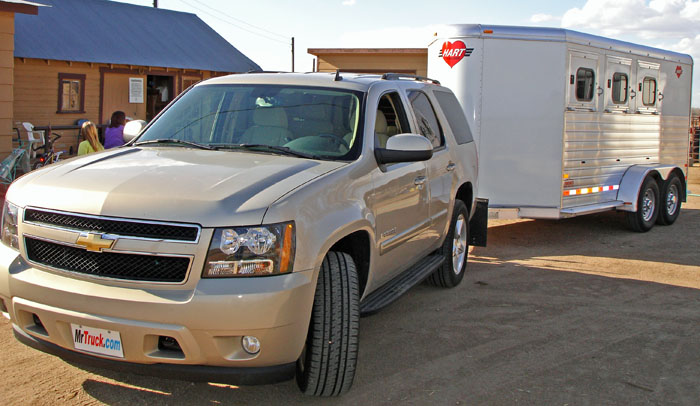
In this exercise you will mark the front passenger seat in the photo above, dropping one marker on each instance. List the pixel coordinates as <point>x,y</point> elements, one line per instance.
<point>380,130</point>
<point>269,128</point>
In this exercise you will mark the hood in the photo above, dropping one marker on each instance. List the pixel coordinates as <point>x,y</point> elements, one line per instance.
<point>211,188</point>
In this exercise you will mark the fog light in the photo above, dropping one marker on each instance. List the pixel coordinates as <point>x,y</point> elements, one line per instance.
<point>251,345</point>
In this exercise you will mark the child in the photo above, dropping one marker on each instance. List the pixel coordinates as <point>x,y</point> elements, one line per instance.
<point>114,134</point>
<point>92,143</point>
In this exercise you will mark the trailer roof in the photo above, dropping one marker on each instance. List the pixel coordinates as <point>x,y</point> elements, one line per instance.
<point>559,35</point>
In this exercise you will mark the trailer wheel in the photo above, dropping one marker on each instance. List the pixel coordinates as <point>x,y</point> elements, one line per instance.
<point>644,218</point>
<point>327,363</point>
<point>670,202</point>
<point>455,249</point>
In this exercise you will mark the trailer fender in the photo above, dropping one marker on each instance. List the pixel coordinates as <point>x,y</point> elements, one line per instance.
<point>632,180</point>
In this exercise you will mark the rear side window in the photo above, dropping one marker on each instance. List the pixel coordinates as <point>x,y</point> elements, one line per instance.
<point>428,124</point>
<point>619,88</point>
<point>455,116</point>
<point>649,91</point>
<point>585,80</point>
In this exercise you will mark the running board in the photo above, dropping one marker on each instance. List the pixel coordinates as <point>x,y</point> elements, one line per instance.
<point>396,287</point>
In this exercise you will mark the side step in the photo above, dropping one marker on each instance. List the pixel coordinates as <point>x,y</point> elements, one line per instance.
<point>396,287</point>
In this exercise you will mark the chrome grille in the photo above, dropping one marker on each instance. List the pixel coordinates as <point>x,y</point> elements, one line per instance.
<point>107,264</point>
<point>121,227</point>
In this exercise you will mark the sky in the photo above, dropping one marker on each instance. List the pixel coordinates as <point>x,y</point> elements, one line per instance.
<point>263,29</point>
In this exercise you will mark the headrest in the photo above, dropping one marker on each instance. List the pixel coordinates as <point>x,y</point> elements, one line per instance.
<point>270,116</point>
<point>380,123</point>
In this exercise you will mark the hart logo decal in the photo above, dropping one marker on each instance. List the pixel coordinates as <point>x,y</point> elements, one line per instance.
<point>679,71</point>
<point>453,52</point>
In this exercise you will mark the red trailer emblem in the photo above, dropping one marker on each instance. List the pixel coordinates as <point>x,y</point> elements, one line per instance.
<point>453,52</point>
<point>679,71</point>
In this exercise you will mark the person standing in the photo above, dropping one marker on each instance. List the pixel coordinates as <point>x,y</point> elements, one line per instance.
<point>114,134</point>
<point>91,141</point>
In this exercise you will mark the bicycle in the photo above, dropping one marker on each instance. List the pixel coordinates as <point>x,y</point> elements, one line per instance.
<point>50,155</point>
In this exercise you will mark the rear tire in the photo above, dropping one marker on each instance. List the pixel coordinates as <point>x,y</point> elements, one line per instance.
<point>327,364</point>
<point>647,212</point>
<point>670,201</point>
<point>455,249</point>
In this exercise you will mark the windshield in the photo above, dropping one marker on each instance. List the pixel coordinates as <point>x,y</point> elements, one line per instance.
<point>308,121</point>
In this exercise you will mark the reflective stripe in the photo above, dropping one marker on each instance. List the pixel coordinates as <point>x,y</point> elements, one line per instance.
<point>588,190</point>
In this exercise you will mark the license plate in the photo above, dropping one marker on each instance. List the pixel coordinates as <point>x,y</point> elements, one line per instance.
<point>97,340</point>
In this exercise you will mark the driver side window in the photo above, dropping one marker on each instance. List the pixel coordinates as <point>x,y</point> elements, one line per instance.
<point>391,119</point>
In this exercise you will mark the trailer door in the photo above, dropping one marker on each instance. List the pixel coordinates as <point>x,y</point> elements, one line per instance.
<point>618,84</point>
<point>647,87</point>
<point>584,90</point>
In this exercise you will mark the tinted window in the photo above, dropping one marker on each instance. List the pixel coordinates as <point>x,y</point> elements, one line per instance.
<point>455,116</point>
<point>649,91</point>
<point>428,124</point>
<point>585,80</point>
<point>619,88</point>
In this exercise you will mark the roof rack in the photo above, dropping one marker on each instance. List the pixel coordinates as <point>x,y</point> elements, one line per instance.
<point>399,76</point>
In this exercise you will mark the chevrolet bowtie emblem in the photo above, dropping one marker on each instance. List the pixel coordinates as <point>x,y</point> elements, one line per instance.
<point>95,242</point>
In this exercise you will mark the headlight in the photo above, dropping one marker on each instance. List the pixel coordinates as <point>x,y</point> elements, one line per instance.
<point>251,251</point>
<point>9,225</point>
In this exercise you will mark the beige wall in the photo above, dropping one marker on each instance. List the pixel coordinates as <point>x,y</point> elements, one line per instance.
<point>36,92</point>
<point>7,46</point>
<point>374,62</point>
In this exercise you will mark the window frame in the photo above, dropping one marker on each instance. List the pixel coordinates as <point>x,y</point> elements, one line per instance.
<point>70,77</point>
<point>626,88</point>
<point>649,79</point>
<point>441,133</point>
<point>592,85</point>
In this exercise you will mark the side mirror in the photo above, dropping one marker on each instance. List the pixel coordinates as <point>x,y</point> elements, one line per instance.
<point>132,129</point>
<point>404,148</point>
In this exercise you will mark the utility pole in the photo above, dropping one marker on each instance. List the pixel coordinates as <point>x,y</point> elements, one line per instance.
<point>292,54</point>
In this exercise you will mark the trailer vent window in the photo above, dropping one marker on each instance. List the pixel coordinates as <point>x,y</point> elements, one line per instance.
<point>619,88</point>
<point>649,91</point>
<point>585,79</point>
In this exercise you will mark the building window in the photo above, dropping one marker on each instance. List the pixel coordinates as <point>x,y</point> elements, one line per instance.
<point>585,79</point>
<point>619,88</point>
<point>71,93</point>
<point>649,91</point>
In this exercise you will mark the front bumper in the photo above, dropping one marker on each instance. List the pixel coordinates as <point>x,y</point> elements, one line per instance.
<point>208,321</point>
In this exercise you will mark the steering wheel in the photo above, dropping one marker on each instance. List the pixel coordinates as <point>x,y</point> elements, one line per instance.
<point>336,140</point>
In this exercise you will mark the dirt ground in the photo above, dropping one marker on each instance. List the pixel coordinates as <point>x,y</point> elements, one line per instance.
<point>577,312</point>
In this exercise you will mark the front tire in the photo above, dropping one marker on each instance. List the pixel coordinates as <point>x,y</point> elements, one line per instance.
<point>647,212</point>
<point>455,249</point>
<point>327,364</point>
<point>670,201</point>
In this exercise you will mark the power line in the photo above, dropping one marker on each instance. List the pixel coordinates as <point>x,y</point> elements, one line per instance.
<point>241,21</point>
<point>235,25</point>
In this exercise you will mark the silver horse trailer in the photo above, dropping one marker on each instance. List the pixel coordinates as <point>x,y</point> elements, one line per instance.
<point>568,123</point>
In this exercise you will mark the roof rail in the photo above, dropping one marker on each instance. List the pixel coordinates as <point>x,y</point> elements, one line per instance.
<point>399,76</point>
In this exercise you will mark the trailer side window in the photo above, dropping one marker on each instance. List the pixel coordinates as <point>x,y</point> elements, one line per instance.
<point>428,124</point>
<point>619,88</point>
<point>585,80</point>
<point>649,91</point>
<point>455,116</point>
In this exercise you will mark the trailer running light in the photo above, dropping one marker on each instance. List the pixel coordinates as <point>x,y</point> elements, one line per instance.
<point>488,31</point>
<point>589,190</point>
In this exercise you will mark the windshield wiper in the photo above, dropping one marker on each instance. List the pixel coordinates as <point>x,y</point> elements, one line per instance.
<point>175,141</point>
<point>270,148</point>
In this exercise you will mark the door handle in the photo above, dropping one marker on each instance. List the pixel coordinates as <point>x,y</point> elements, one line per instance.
<point>451,166</point>
<point>633,94</point>
<point>419,182</point>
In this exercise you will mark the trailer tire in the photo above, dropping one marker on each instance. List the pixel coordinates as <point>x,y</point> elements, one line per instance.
<point>670,201</point>
<point>327,364</point>
<point>455,249</point>
<point>647,212</point>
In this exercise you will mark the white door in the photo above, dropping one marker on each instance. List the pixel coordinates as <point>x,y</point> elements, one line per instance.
<point>584,89</point>
<point>618,85</point>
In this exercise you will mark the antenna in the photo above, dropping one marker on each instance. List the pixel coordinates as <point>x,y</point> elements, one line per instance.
<point>337,76</point>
